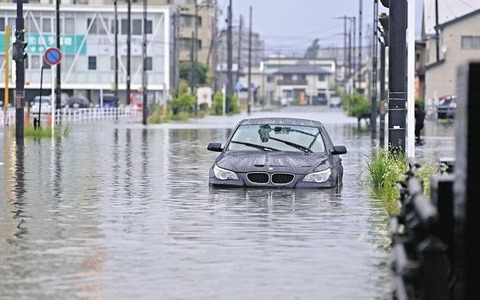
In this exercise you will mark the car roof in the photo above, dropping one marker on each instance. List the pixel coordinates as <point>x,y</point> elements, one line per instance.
<point>281,121</point>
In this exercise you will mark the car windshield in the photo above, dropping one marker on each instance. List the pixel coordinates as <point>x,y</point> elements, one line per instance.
<point>447,101</point>
<point>277,138</point>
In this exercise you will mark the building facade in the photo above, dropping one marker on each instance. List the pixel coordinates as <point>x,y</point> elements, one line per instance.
<point>459,43</point>
<point>88,49</point>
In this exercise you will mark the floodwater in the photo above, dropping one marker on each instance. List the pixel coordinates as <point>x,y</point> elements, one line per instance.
<point>123,211</point>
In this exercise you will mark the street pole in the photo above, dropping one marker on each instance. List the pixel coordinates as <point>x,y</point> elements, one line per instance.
<point>8,32</point>
<point>129,44</point>
<point>397,76</point>
<point>360,21</point>
<point>116,53</point>
<point>144,73</point>
<point>195,58</point>
<point>20,74</point>
<point>250,98</point>
<point>229,59</point>
<point>59,69</point>
<point>373,118</point>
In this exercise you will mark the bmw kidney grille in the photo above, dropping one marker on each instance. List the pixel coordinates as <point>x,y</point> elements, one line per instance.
<point>275,178</point>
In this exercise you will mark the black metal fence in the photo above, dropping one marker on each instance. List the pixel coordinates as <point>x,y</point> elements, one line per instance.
<point>435,247</point>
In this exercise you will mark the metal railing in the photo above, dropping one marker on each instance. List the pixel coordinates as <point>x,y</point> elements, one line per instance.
<point>68,115</point>
<point>422,242</point>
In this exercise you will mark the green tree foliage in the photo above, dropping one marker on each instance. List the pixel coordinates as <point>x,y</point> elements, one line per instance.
<point>357,106</point>
<point>200,74</point>
<point>312,50</point>
<point>217,106</point>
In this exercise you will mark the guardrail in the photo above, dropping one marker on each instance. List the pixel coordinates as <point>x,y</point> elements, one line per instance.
<point>67,115</point>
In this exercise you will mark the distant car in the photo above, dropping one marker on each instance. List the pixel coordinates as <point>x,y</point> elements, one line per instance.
<point>283,102</point>
<point>277,153</point>
<point>78,102</point>
<point>446,107</point>
<point>41,104</point>
<point>335,102</point>
<point>108,100</point>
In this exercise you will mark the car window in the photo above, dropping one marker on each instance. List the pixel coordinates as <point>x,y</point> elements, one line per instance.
<point>279,137</point>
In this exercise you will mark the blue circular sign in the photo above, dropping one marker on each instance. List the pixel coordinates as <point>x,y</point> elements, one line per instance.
<point>52,56</point>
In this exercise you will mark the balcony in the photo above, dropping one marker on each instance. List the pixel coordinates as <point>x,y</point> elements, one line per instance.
<point>292,82</point>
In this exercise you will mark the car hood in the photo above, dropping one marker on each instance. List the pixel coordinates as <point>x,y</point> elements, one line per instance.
<point>292,162</point>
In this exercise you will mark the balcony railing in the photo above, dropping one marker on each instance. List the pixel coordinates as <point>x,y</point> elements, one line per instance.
<point>292,82</point>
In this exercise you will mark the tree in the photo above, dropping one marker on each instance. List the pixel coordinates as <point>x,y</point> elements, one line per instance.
<point>312,50</point>
<point>200,75</point>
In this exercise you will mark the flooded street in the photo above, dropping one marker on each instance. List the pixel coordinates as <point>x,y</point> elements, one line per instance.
<point>123,211</point>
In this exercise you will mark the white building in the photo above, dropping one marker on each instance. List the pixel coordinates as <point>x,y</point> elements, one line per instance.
<point>88,52</point>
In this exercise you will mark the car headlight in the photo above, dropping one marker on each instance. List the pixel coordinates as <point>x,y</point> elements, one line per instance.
<point>318,177</point>
<point>224,174</point>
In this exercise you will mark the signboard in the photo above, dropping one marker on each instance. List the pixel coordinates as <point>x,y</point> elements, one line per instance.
<point>69,43</point>
<point>52,56</point>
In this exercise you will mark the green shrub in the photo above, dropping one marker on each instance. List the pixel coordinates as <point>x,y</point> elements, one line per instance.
<point>158,115</point>
<point>185,103</point>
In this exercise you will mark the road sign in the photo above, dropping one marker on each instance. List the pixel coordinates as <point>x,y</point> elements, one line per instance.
<point>52,56</point>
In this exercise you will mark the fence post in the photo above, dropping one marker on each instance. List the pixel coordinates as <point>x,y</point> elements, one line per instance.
<point>466,186</point>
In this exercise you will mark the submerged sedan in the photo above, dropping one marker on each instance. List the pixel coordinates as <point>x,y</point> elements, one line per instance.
<point>277,153</point>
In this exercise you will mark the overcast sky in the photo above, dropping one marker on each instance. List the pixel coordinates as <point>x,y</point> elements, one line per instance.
<point>290,26</point>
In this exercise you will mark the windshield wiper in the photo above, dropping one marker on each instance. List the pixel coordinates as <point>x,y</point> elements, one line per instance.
<point>264,148</point>
<point>299,147</point>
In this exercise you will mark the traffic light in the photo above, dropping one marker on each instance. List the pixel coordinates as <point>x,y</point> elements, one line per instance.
<point>384,21</point>
<point>19,53</point>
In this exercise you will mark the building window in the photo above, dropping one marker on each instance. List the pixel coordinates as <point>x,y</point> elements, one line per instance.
<point>187,21</point>
<point>137,27</point>
<point>2,24</point>
<point>124,26</point>
<point>92,62</point>
<point>47,25</point>
<point>149,63</point>
<point>93,26</point>
<point>470,42</point>
<point>96,26</point>
<point>321,77</point>
<point>270,79</point>
<point>69,26</point>
<point>149,27</point>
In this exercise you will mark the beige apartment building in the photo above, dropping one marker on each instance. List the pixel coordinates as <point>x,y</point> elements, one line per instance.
<point>459,43</point>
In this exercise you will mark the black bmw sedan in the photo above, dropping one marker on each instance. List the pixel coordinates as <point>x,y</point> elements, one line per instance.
<point>277,153</point>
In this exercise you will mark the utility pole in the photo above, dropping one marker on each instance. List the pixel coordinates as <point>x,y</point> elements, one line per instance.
<point>360,21</point>
<point>59,69</point>
<point>229,60</point>
<point>397,76</point>
<point>345,51</point>
<point>239,50</point>
<point>144,59</point>
<point>195,57</point>
<point>8,33</point>
<point>250,98</point>
<point>116,52</point>
<point>19,56</point>
<point>437,35</point>
<point>129,46</point>
<point>373,117</point>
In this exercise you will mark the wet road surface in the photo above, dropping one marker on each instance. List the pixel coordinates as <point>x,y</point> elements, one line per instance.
<point>122,211</point>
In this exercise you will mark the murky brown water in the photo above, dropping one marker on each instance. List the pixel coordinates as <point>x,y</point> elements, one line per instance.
<point>118,211</point>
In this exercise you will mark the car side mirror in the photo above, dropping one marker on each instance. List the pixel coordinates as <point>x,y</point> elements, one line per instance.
<point>337,150</point>
<point>215,147</point>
